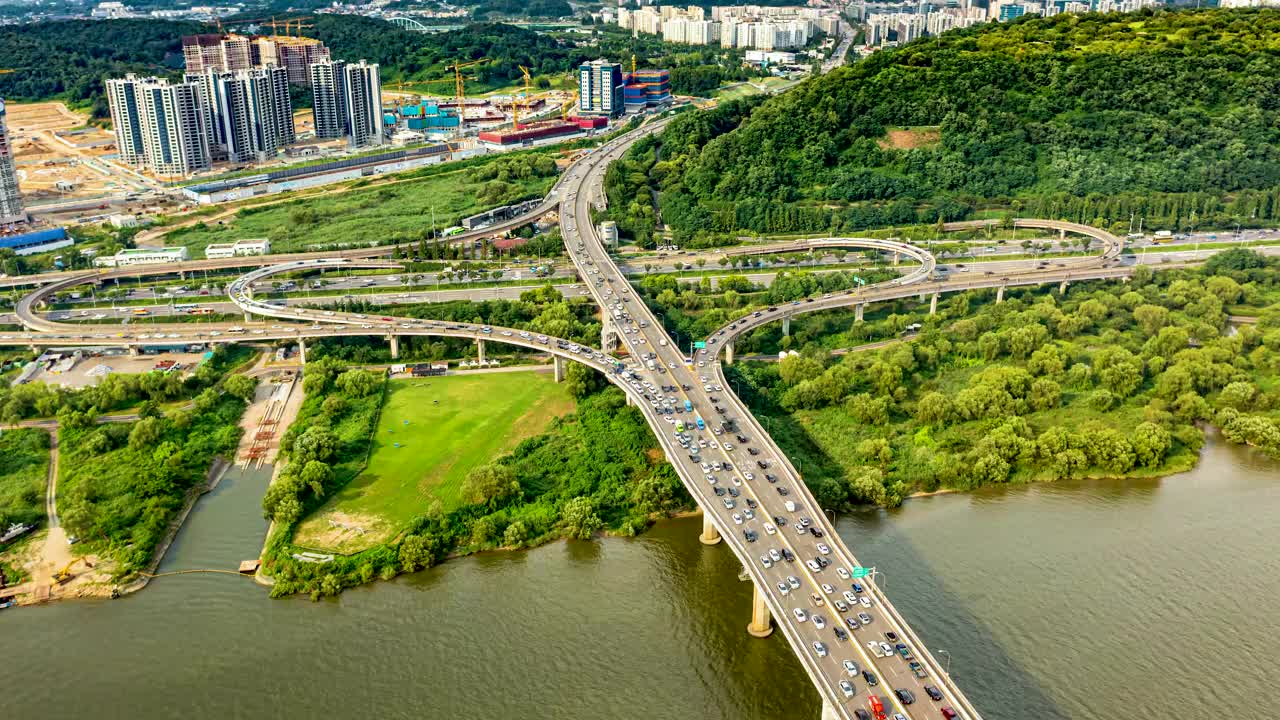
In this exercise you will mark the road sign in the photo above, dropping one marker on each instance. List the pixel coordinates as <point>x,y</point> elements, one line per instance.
<point>700,345</point>
<point>860,572</point>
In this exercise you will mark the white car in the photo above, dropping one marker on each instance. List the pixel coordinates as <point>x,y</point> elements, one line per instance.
<point>822,548</point>
<point>819,621</point>
<point>800,614</point>
<point>737,519</point>
<point>820,649</point>
<point>844,574</point>
<point>866,601</point>
<point>775,555</point>
<point>769,528</point>
<point>851,667</point>
<point>874,647</point>
<point>887,649</point>
<point>765,561</point>
<point>846,687</point>
<point>850,598</point>
<point>783,589</point>
<point>826,588</point>
<point>793,582</point>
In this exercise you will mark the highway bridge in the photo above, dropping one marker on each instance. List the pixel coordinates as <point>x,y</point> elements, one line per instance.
<point>754,500</point>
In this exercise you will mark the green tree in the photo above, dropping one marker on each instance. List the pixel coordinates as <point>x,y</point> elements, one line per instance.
<point>489,484</point>
<point>579,519</point>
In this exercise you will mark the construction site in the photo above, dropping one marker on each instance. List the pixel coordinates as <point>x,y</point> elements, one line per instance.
<point>59,156</point>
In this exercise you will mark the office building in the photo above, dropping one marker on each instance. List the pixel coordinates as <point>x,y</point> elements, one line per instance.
<point>249,115</point>
<point>10,197</point>
<point>160,125</point>
<point>600,88</point>
<point>347,101</point>
<point>646,89</point>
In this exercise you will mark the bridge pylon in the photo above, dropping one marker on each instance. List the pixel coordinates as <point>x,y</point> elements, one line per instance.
<point>710,535</point>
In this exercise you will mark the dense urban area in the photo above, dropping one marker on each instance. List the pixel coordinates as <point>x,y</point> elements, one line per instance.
<point>329,328</point>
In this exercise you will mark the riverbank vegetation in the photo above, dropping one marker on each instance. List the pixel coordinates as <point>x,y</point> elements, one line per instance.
<point>597,469</point>
<point>1095,119</point>
<point>24,467</point>
<point>1110,380</point>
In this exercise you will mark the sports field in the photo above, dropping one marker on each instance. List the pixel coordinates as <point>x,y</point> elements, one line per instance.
<point>432,431</point>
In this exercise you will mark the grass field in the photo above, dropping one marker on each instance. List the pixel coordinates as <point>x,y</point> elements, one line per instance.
<point>401,208</point>
<point>445,427</point>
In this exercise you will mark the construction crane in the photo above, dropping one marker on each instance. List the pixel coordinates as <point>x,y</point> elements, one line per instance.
<point>297,25</point>
<point>515,104</point>
<point>564,109</point>
<point>633,64</point>
<point>460,94</point>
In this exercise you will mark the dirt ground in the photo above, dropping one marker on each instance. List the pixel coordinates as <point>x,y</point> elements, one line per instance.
<point>78,375</point>
<point>277,387</point>
<point>23,117</point>
<point>908,139</point>
<point>52,144</point>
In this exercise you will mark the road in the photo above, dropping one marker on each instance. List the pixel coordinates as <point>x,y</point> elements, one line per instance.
<point>750,466</point>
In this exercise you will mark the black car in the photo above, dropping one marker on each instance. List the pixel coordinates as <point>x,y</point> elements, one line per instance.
<point>763,464</point>
<point>751,503</point>
<point>904,695</point>
<point>822,561</point>
<point>861,714</point>
<point>779,520</point>
<point>788,555</point>
<point>753,451</point>
<point>771,478</point>
<point>719,491</point>
<point>891,636</point>
<point>814,531</point>
<point>750,535</point>
<point>933,692</point>
<point>684,387</point>
<point>719,409</point>
<point>728,467</point>
<point>870,677</point>
<point>782,491</point>
<point>733,492</point>
<point>742,439</point>
<point>841,635</point>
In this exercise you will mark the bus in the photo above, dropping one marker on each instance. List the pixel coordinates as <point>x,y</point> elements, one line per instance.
<point>200,311</point>
<point>140,312</point>
<point>184,308</point>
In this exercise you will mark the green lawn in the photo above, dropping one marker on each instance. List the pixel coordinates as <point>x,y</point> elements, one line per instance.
<point>445,427</point>
<point>399,210</point>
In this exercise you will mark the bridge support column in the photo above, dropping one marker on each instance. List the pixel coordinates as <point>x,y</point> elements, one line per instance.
<point>857,311</point>
<point>248,317</point>
<point>896,258</point>
<point>1062,289</point>
<point>1062,234</point>
<point>999,294</point>
<point>829,711</point>
<point>134,351</point>
<point>728,353</point>
<point>395,346</point>
<point>760,626</point>
<point>302,351</point>
<point>933,304</point>
<point>630,400</point>
<point>710,535</point>
<point>786,325</point>
<point>606,337</point>
<point>480,349</point>
<point>559,367</point>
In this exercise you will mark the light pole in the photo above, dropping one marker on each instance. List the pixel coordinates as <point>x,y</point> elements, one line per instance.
<point>831,514</point>
<point>948,667</point>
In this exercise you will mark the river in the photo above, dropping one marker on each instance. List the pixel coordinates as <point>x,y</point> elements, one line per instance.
<point>1094,600</point>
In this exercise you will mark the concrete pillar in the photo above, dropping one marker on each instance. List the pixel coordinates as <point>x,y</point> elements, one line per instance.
<point>896,258</point>
<point>760,625</point>
<point>1062,235</point>
<point>395,346</point>
<point>857,311</point>
<point>710,535</point>
<point>829,710</point>
<point>933,304</point>
<point>630,400</point>
<point>248,317</point>
<point>728,353</point>
<point>1062,289</point>
<point>302,351</point>
<point>999,294</point>
<point>559,366</point>
<point>480,349</point>
<point>134,351</point>
<point>606,337</point>
<point>786,325</point>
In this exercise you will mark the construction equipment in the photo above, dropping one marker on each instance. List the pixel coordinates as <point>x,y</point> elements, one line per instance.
<point>460,95</point>
<point>64,576</point>
<point>564,109</point>
<point>633,64</point>
<point>515,104</point>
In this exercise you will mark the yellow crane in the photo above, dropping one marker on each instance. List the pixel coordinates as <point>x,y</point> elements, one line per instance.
<point>515,104</point>
<point>297,25</point>
<point>459,90</point>
<point>633,64</point>
<point>564,109</point>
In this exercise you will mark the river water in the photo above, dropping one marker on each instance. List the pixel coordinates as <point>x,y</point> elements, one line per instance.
<point>1096,600</point>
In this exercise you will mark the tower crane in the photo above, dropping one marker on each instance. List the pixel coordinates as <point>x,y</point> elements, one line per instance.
<point>515,104</point>
<point>459,90</point>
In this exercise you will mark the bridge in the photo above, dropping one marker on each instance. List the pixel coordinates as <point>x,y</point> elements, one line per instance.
<point>754,500</point>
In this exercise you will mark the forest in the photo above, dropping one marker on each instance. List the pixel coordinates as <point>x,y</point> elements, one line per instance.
<point>1110,380</point>
<point>1167,114</point>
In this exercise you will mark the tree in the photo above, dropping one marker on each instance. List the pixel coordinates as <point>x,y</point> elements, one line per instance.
<point>488,484</point>
<point>1238,395</point>
<point>315,443</point>
<point>875,450</point>
<point>933,409</point>
<point>1045,394</point>
<point>1150,443</point>
<point>579,519</point>
<point>241,386</point>
<point>146,433</point>
<point>417,552</point>
<point>516,535</point>
<point>315,475</point>
<point>1151,318</point>
<point>359,383</point>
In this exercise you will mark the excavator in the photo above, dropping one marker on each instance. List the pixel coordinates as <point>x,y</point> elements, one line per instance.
<point>64,575</point>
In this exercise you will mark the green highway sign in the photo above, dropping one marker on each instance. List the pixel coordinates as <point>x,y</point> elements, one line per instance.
<point>700,345</point>
<point>860,572</point>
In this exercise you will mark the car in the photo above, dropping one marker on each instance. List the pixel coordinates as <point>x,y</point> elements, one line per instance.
<point>819,621</point>
<point>861,714</point>
<point>813,566</point>
<point>841,635</point>
<point>719,491</point>
<point>816,598</point>
<point>934,693</point>
<point>775,555</point>
<point>870,677</point>
<point>851,667</point>
<point>887,649</point>
<point>822,548</point>
<point>782,491</point>
<point>865,619</point>
<point>765,561</point>
<point>788,555</point>
<point>850,598</point>
<point>846,687</point>
<point>749,514</point>
<point>874,647</point>
<point>728,503</point>
<point>782,588</point>
<point>891,636</point>
<point>780,520</point>
<point>843,573</point>
<point>733,492</point>
<point>948,713</point>
<point>866,601</point>
<point>793,582</point>
<point>842,606</point>
<point>800,614</point>
<point>826,588</point>
<point>770,529</point>
<point>906,696</point>
<point>816,531</point>
<point>820,649</point>
<point>737,519</point>
<point>750,535</point>
<point>857,587</point>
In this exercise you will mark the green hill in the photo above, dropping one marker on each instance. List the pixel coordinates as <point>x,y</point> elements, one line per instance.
<point>1172,115</point>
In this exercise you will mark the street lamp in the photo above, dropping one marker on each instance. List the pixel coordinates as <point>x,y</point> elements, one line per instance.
<point>948,667</point>
<point>831,514</point>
